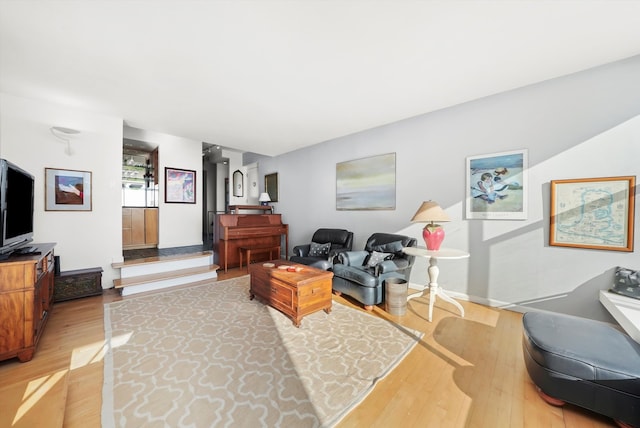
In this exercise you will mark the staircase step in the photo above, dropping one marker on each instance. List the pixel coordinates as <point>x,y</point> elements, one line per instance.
<point>154,277</point>
<point>163,264</point>
<point>160,259</point>
<point>158,272</point>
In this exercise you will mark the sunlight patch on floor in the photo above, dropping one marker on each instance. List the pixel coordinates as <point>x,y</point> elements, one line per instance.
<point>87,354</point>
<point>35,391</point>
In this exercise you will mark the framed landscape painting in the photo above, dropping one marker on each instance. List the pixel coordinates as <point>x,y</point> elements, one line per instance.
<point>594,213</point>
<point>367,184</point>
<point>497,186</point>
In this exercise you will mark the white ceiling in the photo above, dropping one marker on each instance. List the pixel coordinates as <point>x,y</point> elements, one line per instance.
<point>273,76</point>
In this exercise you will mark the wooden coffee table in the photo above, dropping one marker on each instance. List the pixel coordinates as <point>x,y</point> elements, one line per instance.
<point>297,293</point>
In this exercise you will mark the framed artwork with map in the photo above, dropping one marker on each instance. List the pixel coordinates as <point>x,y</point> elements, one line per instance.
<point>595,213</point>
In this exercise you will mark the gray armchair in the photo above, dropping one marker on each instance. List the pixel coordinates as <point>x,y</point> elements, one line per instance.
<point>361,274</point>
<point>325,244</point>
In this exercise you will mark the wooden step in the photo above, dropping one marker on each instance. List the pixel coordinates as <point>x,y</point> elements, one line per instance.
<point>154,277</point>
<point>158,272</point>
<point>160,259</point>
<point>165,265</point>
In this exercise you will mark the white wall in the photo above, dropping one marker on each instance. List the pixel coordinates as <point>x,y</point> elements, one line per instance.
<point>84,239</point>
<point>222,173</point>
<point>179,224</point>
<point>573,127</point>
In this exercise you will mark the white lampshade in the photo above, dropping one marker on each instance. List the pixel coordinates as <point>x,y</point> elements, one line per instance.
<point>430,212</point>
<point>264,197</point>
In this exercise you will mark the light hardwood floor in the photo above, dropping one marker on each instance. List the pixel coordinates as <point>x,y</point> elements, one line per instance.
<point>466,372</point>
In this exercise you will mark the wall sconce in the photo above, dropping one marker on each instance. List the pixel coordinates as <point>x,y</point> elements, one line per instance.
<point>65,135</point>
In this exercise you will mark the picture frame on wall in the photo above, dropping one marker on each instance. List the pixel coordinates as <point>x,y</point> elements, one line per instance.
<point>367,183</point>
<point>497,186</point>
<point>271,186</point>
<point>179,186</point>
<point>67,190</point>
<point>593,213</point>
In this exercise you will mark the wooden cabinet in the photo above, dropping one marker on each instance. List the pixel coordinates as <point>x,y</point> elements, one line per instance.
<point>26,296</point>
<point>139,227</point>
<point>151,226</point>
<point>247,230</point>
<point>73,284</point>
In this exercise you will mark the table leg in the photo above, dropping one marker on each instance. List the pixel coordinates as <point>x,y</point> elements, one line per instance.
<point>435,290</point>
<point>225,256</point>
<point>433,271</point>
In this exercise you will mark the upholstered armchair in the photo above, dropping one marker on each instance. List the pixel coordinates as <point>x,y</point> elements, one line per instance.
<point>325,244</point>
<point>361,274</point>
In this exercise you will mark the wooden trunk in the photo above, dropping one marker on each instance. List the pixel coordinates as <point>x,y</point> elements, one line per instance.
<point>295,294</point>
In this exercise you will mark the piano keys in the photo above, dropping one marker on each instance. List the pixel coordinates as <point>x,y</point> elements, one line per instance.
<point>246,230</point>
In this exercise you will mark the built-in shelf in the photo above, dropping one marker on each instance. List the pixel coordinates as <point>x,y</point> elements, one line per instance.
<point>626,310</point>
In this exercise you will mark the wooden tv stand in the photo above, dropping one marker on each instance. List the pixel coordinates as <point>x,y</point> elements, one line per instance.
<point>26,297</point>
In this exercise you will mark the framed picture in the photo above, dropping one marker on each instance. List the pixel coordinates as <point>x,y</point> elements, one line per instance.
<point>367,184</point>
<point>67,190</point>
<point>271,186</point>
<point>179,186</point>
<point>594,213</point>
<point>497,186</point>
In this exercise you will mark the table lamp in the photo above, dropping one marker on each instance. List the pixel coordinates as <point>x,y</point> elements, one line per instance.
<point>264,198</point>
<point>433,234</point>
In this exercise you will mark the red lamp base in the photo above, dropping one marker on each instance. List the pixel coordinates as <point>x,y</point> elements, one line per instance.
<point>433,237</point>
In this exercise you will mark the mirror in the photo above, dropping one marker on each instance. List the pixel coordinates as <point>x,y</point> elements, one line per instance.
<point>238,185</point>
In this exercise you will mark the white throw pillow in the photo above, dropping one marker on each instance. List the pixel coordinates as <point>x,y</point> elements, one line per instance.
<point>376,258</point>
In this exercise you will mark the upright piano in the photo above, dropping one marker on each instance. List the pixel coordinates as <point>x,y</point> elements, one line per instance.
<point>246,230</point>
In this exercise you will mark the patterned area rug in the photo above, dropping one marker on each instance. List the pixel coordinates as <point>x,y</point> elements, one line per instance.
<point>207,356</point>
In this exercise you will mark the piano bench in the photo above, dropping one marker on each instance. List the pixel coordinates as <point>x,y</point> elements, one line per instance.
<point>256,250</point>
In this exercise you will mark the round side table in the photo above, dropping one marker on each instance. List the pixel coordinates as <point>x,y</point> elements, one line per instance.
<point>434,289</point>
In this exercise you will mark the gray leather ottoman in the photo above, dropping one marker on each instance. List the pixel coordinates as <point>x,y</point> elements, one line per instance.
<point>584,362</point>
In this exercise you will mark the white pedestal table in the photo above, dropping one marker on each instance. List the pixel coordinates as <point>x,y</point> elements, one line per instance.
<point>434,289</point>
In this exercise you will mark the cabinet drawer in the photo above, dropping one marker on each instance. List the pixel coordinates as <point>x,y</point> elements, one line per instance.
<point>17,276</point>
<point>282,293</point>
<point>274,292</point>
<point>50,261</point>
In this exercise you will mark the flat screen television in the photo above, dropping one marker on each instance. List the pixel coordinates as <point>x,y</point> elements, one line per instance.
<point>16,206</point>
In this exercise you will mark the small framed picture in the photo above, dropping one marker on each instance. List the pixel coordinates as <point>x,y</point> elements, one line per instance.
<point>497,186</point>
<point>595,213</point>
<point>67,190</point>
<point>179,186</point>
<point>271,186</point>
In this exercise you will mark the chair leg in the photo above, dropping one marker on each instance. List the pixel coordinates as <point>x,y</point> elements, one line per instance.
<point>622,424</point>
<point>549,399</point>
<point>368,308</point>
